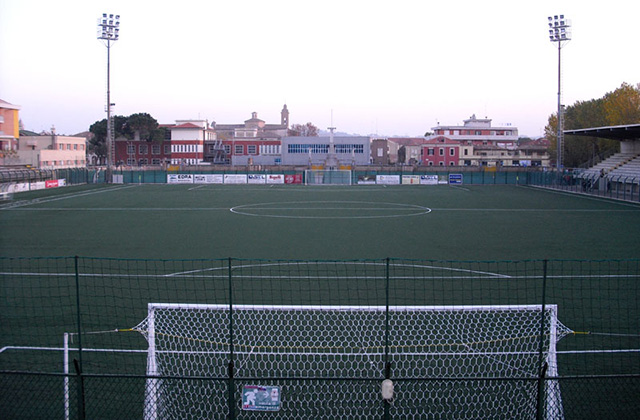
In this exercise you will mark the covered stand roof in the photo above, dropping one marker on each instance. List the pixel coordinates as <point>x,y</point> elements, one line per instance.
<point>616,132</point>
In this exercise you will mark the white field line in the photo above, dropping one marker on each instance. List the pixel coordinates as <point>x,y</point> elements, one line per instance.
<point>65,196</point>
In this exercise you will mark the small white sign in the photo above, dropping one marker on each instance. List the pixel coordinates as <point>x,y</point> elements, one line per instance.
<point>260,398</point>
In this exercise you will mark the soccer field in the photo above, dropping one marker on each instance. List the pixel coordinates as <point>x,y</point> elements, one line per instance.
<point>298,222</point>
<point>460,294</point>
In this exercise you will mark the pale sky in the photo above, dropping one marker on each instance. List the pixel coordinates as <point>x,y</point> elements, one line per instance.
<point>379,67</point>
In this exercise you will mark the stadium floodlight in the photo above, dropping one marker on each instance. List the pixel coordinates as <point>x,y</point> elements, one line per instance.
<point>559,31</point>
<point>109,31</point>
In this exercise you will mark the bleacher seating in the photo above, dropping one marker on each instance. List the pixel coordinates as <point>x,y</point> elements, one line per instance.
<point>618,165</point>
<point>629,170</point>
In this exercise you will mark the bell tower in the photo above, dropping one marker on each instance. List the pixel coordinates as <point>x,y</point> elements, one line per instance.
<point>284,116</point>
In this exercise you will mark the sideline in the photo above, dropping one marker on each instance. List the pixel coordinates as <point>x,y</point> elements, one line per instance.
<point>23,203</point>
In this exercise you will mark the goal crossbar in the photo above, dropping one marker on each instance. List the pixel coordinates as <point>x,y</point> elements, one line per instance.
<point>448,342</point>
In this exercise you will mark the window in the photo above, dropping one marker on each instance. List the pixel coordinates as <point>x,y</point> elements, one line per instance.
<point>451,163</point>
<point>452,152</point>
<point>75,147</point>
<point>155,149</point>
<point>143,162</point>
<point>380,152</point>
<point>430,152</point>
<point>239,149</point>
<point>441,163</point>
<point>131,149</point>
<point>167,149</point>
<point>144,149</point>
<point>441,151</point>
<point>131,162</point>
<point>69,146</point>
<point>227,149</point>
<point>466,152</point>
<point>478,133</point>
<point>251,149</point>
<point>155,161</point>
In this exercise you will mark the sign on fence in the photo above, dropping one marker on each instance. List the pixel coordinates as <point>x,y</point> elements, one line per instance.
<point>260,398</point>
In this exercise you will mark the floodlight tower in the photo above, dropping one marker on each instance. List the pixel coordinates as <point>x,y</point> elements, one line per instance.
<point>109,31</point>
<point>559,31</point>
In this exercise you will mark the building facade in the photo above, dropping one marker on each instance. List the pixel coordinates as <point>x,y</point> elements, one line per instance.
<point>252,143</point>
<point>9,126</point>
<point>481,144</point>
<point>314,151</point>
<point>52,151</point>
<point>441,151</point>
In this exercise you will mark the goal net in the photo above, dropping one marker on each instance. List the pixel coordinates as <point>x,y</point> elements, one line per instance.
<point>326,177</point>
<point>451,361</point>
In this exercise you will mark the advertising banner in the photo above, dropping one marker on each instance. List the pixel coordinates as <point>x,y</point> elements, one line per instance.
<point>366,179</point>
<point>179,179</point>
<point>51,183</point>
<point>455,179</point>
<point>257,179</point>
<point>235,178</point>
<point>208,179</point>
<point>429,179</point>
<point>388,179</point>
<point>293,179</point>
<point>410,179</point>
<point>275,179</point>
<point>40,185</point>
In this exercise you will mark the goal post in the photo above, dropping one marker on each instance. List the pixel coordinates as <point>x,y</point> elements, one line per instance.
<point>327,177</point>
<point>480,360</point>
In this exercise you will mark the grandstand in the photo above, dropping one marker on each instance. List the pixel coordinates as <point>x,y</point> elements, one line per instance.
<point>620,172</point>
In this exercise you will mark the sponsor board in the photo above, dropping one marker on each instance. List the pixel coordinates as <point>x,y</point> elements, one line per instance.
<point>455,178</point>
<point>388,179</point>
<point>235,178</point>
<point>256,179</point>
<point>293,179</point>
<point>410,179</point>
<point>429,179</point>
<point>179,179</point>
<point>275,179</point>
<point>208,179</point>
<point>366,179</point>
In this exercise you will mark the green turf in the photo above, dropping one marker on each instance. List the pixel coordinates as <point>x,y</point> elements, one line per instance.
<point>256,223</point>
<point>296,222</point>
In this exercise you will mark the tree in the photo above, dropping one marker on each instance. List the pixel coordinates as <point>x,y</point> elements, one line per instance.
<point>303,130</point>
<point>622,106</point>
<point>144,125</point>
<point>98,144</point>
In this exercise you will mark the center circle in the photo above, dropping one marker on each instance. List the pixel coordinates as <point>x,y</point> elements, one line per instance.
<point>330,210</point>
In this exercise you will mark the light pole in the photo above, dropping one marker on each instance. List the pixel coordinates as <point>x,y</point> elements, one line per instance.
<point>109,31</point>
<point>559,31</point>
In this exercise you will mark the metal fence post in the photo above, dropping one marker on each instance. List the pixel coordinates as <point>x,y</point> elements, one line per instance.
<point>542,364</point>
<point>387,363</point>
<point>231,385</point>
<point>78,362</point>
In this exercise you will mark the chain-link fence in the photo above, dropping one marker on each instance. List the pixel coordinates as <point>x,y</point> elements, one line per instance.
<point>89,338</point>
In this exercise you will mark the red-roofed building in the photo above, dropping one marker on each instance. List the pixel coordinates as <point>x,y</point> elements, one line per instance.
<point>187,141</point>
<point>441,151</point>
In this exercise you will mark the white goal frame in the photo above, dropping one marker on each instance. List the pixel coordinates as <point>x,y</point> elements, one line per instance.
<point>328,177</point>
<point>409,351</point>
